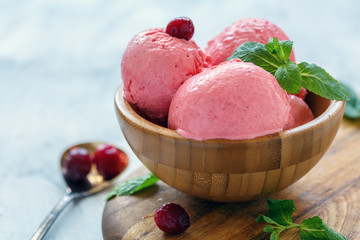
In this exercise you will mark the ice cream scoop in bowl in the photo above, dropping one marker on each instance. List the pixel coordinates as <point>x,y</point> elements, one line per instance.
<point>231,170</point>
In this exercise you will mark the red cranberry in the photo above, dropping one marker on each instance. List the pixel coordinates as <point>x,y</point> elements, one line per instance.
<point>181,27</point>
<point>172,218</point>
<point>110,161</point>
<point>77,164</point>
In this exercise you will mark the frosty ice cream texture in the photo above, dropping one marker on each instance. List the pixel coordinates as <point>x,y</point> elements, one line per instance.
<point>234,100</point>
<point>248,29</point>
<point>153,67</point>
<point>300,112</point>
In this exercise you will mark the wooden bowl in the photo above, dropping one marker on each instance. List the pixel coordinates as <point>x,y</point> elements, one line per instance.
<point>231,170</point>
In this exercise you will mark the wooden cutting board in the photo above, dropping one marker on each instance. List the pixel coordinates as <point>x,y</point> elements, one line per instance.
<point>331,191</point>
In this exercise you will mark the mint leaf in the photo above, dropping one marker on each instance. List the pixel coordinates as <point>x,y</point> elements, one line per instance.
<point>268,229</point>
<point>132,186</point>
<point>289,77</point>
<point>262,218</point>
<point>286,47</point>
<point>312,228</point>
<point>318,81</point>
<point>281,49</point>
<point>352,107</point>
<point>275,235</point>
<point>315,228</point>
<point>281,211</point>
<point>332,234</point>
<point>256,53</point>
<point>270,46</point>
<point>279,216</point>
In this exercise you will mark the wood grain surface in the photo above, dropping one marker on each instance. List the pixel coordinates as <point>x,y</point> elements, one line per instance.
<point>330,191</point>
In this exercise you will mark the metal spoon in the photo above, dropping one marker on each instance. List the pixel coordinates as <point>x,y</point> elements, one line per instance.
<point>93,183</point>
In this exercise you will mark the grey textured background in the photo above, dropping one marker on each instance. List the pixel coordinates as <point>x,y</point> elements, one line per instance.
<point>59,69</point>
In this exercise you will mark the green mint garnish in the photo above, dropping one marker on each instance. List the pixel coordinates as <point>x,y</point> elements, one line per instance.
<point>133,185</point>
<point>289,77</point>
<point>274,58</point>
<point>280,49</point>
<point>318,81</point>
<point>352,107</point>
<point>279,216</point>
<point>256,53</point>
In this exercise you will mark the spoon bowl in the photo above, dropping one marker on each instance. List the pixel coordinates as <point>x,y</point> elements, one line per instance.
<point>93,183</point>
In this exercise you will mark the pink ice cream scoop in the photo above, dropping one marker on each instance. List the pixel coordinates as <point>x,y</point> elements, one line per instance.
<point>153,67</point>
<point>300,112</point>
<point>234,100</point>
<point>223,45</point>
<point>302,94</point>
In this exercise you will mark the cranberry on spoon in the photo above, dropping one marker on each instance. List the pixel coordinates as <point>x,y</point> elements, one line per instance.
<point>82,179</point>
<point>75,168</point>
<point>110,161</point>
<point>77,164</point>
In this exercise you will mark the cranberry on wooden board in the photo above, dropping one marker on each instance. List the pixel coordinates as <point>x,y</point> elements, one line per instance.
<point>172,218</point>
<point>181,27</point>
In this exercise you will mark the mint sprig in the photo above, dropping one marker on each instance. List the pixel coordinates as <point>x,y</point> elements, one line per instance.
<point>279,217</point>
<point>280,49</point>
<point>318,81</point>
<point>274,58</point>
<point>133,185</point>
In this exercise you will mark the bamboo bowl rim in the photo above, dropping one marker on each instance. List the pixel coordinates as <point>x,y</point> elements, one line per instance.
<point>130,114</point>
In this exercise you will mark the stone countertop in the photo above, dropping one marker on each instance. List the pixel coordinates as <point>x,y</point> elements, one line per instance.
<point>60,67</point>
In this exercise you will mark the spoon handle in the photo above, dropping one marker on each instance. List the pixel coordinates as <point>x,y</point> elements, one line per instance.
<point>49,220</point>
